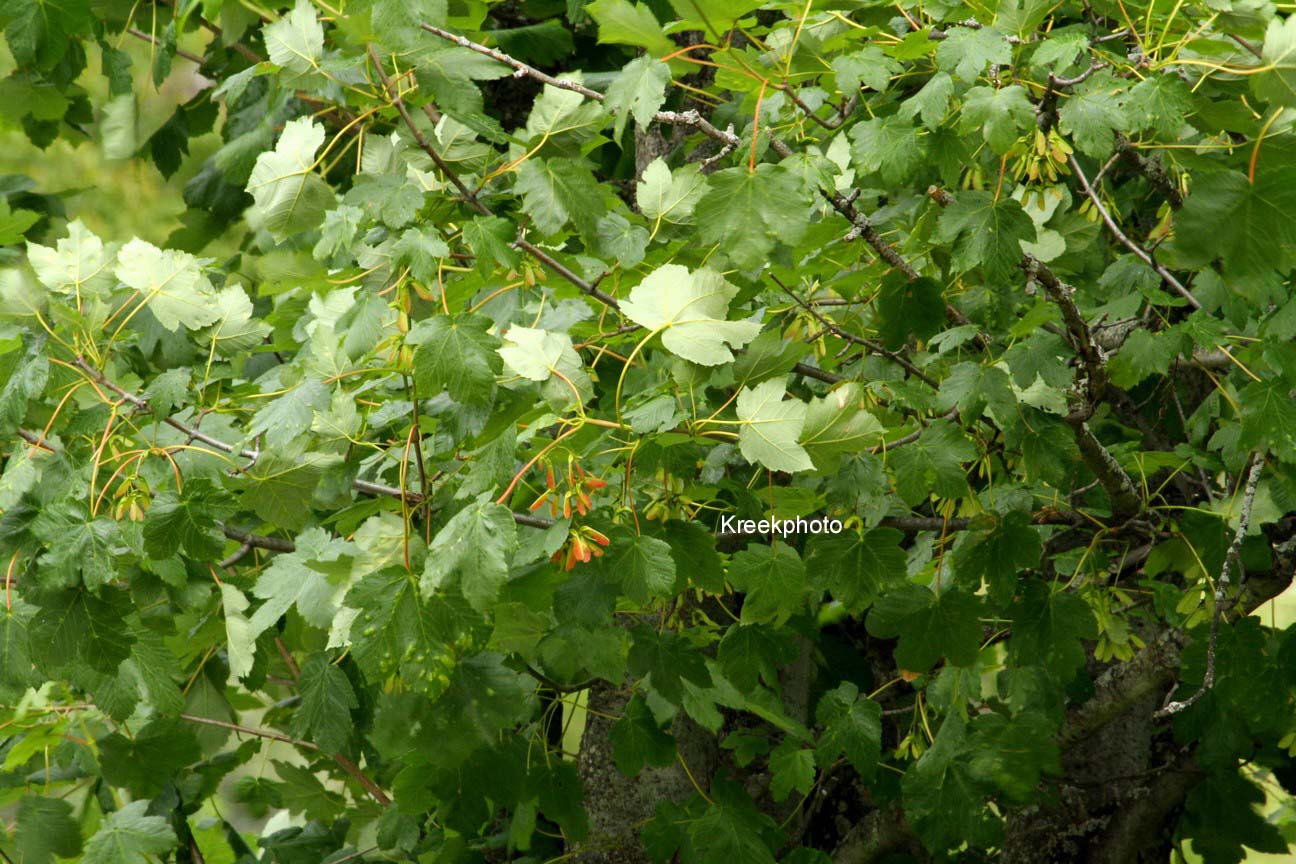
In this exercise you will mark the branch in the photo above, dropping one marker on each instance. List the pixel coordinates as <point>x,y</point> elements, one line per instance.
<point>471,198</point>
<point>365,487</point>
<point>858,340</point>
<point>179,52</point>
<point>35,440</point>
<point>521,70</point>
<point>1091,384</point>
<point>1221,585</point>
<point>937,35</point>
<point>874,838</point>
<point>1151,169</point>
<point>1092,359</point>
<point>347,765</point>
<point>1130,244</point>
<point>141,404</point>
<point>257,541</point>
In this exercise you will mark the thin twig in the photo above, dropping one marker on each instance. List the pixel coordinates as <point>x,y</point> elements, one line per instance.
<point>1221,586</point>
<point>1128,243</point>
<point>872,346</point>
<point>238,555</point>
<point>179,52</point>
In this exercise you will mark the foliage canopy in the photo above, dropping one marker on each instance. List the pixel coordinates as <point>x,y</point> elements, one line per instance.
<point>408,451</point>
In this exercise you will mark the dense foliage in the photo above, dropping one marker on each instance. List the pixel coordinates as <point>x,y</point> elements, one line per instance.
<point>407,520</point>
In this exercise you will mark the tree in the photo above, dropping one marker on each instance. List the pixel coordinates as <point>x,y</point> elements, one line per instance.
<point>702,431</point>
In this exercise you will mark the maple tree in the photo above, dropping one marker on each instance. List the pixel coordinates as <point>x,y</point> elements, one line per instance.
<point>397,521</point>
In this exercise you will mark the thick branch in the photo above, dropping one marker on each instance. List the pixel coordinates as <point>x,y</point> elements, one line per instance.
<point>874,838</point>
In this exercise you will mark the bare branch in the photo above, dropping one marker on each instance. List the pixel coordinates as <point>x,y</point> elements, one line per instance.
<point>1221,586</point>
<point>1130,244</point>
<point>35,440</point>
<point>872,346</point>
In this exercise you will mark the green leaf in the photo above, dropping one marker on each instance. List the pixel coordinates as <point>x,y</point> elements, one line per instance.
<point>1144,353</point>
<point>967,52</point>
<point>1001,114</point>
<point>557,191</point>
<point>671,659</point>
<point>943,799</point>
<point>76,626</point>
<point>1277,84</point>
<point>749,653</point>
<point>235,330</point>
<point>128,836</point>
<point>689,310</point>
<point>933,464</point>
<point>623,23</point>
<point>717,15</point>
<point>931,102</point>
<point>666,196</point>
<point>14,223</point>
<point>763,207</point>
<point>986,233</point>
<point>638,90</point>
<point>392,624</point>
<point>791,767</point>
<point>641,566</point>
<point>856,568</point>
<point>171,283</point>
<point>187,521</point>
<point>771,427</point>
<point>288,196</point>
<point>772,578</point>
<point>560,121</point>
<point>40,32</point>
<point>1092,119</point>
<point>456,355</point>
<point>1248,226</point>
<point>868,66</point>
<point>888,146</point>
<point>995,557</point>
<point>928,627</point>
<point>852,725</point>
<point>281,490</point>
<point>637,740</point>
<point>732,829</point>
<point>285,418</point>
<point>422,250</point>
<point>1268,418</point>
<point>620,240</point>
<point>145,763</point>
<point>1049,629</point>
<point>909,308</point>
<point>472,551</point>
<point>295,41</point>
<point>311,578</point>
<point>46,829</point>
<point>540,355</point>
<point>78,265</point>
<point>837,423</point>
<point>327,702</point>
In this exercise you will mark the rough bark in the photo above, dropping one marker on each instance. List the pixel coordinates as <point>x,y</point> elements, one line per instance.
<point>618,806</point>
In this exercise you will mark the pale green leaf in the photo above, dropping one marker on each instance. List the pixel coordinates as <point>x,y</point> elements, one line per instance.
<point>771,427</point>
<point>472,551</point>
<point>689,310</point>
<point>288,196</point>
